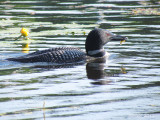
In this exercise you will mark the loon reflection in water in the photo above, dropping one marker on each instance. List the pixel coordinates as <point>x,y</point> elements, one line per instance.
<point>95,41</point>
<point>95,70</point>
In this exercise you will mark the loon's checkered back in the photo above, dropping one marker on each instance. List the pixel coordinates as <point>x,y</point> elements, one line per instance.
<point>55,55</point>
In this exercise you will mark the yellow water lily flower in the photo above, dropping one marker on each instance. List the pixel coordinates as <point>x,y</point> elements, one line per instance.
<point>24,32</point>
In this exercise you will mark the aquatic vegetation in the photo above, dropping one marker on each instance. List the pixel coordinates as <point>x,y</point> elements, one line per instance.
<point>146,11</point>
<point>7,22</point>
<point>122,42</point>
<point>149,2</point>
<point>58,29</point>
<point>123,70</point>
<point>24,32</point>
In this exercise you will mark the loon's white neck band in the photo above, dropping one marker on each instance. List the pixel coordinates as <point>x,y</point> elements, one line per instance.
<point>94,52</point>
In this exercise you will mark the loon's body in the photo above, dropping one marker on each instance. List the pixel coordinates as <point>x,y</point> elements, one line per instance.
<point>95,41</point>
<point>55,55</point>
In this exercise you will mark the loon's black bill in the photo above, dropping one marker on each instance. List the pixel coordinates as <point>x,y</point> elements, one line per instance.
<point>118,38</point>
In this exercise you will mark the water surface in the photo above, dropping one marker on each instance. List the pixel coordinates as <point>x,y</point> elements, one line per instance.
<point>125,87</point>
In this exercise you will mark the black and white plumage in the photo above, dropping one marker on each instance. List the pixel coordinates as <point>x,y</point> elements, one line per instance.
<point>55,55</point>
<point>95,41</point>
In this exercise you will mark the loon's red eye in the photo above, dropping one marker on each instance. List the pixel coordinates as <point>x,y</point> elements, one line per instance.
<point>108,34</point>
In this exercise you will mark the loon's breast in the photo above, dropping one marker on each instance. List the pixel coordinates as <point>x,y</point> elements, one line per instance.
<point>55,55</point>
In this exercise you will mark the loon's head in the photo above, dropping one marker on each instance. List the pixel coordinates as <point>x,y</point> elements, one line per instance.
<point>97,38</point>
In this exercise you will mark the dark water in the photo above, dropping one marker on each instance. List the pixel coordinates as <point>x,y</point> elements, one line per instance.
<point>126,87</point>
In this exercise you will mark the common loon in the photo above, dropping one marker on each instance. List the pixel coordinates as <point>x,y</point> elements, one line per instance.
<point>95,41</point>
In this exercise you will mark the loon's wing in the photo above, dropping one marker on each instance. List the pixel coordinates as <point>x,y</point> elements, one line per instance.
<point>55,55</point>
